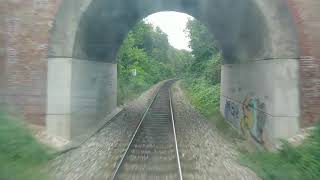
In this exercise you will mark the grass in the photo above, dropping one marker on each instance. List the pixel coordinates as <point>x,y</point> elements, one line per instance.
<point>205,97</point>
<point>128,91</point>
<point>290,162</point>
<point>21,156</point>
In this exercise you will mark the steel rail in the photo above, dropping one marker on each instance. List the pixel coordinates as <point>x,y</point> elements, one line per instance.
<point>134,135</point>
<point>116,173</point>
<point>175,136</point>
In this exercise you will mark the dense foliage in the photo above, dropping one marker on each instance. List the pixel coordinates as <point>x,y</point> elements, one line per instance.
<point>21,156</point>
<point>207,58</point>
<point>147,52</point>
<point>203,95</point>
<point>144,59</point>
<point>202,76</point>
<point>301,162</point>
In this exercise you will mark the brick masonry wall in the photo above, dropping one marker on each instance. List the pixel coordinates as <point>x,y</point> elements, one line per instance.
<point>306,14</point>
<point>24,33</point>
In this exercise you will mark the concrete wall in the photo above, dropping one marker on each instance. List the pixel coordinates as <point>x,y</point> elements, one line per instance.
<point>93,93</point>
<point>244,29</point>
<point>261,98</point>
<point>80,94</point>
<point>58,118</point>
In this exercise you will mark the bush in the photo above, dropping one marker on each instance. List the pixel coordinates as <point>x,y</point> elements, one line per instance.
<point>290,162</point>
<point>145,52</point>
<point>128,90</point>
<point>205,97</point>
<point>21,156</point>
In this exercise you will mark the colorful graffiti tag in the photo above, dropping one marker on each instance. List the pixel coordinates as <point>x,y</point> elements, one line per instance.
<point>254,118</point>
<point>232,113</point>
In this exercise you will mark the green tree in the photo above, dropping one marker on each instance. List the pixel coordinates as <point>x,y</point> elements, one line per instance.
<point>203,72</point>
<point>145,51</point>
<point>207,57</point>
<point>180,60</point>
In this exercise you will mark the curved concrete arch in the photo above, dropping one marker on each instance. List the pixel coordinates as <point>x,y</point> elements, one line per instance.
<point>257,37</point>
<point>246,29</point>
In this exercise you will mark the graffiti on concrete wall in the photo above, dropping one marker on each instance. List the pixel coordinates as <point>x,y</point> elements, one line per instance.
<point>254,118</point>
<point>232,112</point>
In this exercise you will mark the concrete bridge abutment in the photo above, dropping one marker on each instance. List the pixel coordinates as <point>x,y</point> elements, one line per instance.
<point>261,98</point>
<point>80,94</point>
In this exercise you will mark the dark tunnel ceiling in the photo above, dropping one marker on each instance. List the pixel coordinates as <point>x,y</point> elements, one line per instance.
<point>238,26</point>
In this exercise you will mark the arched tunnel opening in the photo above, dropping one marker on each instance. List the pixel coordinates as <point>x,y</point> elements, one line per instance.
<point>259,65</point>
<point>149,54</point>
<point>101,79</point>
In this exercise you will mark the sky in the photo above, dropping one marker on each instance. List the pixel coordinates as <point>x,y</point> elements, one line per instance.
<point>173,24</point>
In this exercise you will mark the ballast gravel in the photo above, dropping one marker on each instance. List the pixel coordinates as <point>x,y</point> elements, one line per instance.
<point>97,157</point>
<point>204,153</point>
<point>208,153</point>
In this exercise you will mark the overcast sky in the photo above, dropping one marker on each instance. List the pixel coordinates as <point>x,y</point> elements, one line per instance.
<point>172,23</point>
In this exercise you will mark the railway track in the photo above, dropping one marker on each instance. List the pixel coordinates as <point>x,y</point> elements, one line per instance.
<point>153,151</point>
